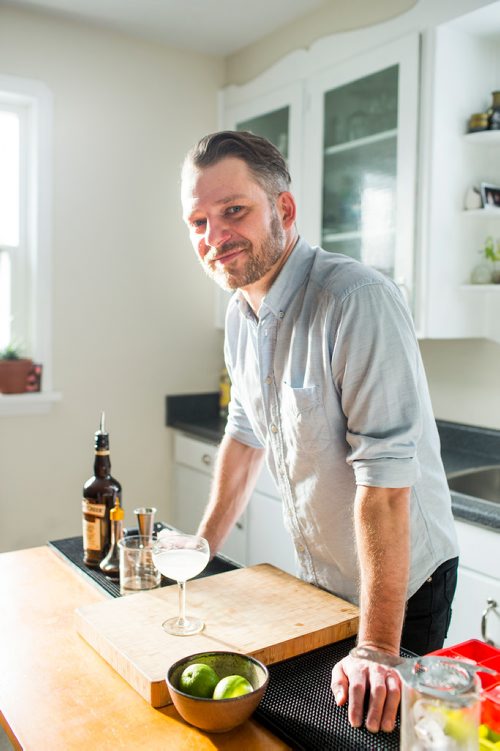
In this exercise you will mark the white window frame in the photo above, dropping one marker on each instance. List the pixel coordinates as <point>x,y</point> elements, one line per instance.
<point>33,100</point>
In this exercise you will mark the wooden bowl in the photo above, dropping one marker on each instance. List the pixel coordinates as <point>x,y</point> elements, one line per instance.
<point>219,715</point>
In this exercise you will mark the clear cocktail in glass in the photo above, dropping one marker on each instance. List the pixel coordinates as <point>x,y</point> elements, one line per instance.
<point>181,557</point>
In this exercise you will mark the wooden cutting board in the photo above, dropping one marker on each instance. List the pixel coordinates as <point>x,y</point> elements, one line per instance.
<point>260,611</point>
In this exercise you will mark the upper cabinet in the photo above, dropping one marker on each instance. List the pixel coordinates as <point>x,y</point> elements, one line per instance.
<point>349,133</point>
<point>374,127</point>
<point>360,162</point>
<point>277,116</point>
<point>461,69</point>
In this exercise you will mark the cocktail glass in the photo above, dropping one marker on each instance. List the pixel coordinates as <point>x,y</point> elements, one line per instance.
<point>181,557</point>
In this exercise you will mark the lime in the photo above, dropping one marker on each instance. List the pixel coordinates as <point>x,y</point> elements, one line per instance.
<point>231,686</point>
<point>198,680</point>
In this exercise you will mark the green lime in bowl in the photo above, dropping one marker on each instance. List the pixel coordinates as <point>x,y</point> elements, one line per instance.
<point>217,691</point>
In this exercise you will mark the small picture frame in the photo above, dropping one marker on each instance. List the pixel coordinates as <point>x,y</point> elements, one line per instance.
<point>490,196</point>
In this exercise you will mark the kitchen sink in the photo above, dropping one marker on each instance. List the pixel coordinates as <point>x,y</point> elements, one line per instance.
<point>482,482</point>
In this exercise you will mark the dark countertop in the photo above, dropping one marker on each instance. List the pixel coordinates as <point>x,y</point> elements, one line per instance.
<point>462,447</point>
<point>468,447</point>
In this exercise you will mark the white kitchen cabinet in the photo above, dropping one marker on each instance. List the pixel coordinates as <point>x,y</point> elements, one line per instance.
<point>348,128</point>
<point>478,582</point>
<point>268,540</point>
<point>193,466</point>
<point>259,536</point>
<point>360,166</point>
<point>277,116</point>
<point>460,70</point>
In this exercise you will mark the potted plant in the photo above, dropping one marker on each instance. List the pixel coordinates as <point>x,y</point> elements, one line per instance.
<point>14,371</point>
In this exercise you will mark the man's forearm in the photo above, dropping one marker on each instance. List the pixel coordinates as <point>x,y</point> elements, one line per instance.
<point>235,474</point>
<point>381,518</point>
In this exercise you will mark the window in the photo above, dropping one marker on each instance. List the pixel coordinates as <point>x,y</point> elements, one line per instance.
<point>25,218</point>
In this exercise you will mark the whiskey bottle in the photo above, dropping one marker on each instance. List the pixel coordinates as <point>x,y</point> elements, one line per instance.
<point>99,493</point>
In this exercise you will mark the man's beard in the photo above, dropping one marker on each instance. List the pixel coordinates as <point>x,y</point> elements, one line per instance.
<point>256,265</point>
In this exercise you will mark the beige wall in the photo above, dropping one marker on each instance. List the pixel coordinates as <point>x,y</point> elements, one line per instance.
<point>133,312</point>
<point>331,17</point>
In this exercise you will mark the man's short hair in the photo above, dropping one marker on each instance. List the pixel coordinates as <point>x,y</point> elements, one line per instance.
<point>263,159</point>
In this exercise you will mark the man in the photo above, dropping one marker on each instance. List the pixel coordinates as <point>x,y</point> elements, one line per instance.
<point>328,383</point>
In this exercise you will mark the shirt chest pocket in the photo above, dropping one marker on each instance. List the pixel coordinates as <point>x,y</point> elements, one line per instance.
<point>303,419</point>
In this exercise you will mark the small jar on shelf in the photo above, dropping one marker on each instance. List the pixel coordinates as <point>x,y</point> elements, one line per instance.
<point>487,271</point>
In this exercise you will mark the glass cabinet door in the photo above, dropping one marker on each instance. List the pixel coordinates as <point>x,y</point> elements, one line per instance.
<point>273,125</point>
<point>278,116</point>
<point>360,144</point>
<point>360,174</point>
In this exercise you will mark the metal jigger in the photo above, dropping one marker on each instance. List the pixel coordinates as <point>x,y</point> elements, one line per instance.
<point>145,520</point>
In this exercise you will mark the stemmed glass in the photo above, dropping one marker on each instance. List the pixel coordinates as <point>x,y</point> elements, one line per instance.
<point>181,557</point>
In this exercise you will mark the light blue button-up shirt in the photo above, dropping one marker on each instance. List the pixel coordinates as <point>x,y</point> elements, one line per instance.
<point>329,380</point>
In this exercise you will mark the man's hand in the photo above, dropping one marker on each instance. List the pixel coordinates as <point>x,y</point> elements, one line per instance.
<point>352,678</point>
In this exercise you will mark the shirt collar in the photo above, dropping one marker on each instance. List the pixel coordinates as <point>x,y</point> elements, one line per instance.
<point>286,284</point>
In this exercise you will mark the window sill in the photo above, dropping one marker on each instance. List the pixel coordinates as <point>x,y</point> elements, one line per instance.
<point>28,404</point>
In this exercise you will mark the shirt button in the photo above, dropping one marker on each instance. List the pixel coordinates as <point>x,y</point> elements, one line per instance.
<point>274,429</point>
<point>269,379</point>
<point>300,548</point>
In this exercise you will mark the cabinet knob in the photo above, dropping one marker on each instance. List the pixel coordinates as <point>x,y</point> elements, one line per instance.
<point>206,459</point>
<point>491,604</point>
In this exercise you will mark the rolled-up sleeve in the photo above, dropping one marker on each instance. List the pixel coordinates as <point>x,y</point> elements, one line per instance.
<point>376,369</point>
<point>238,425</point>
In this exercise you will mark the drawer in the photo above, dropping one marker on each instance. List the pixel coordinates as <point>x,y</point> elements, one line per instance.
<point>196,454</point>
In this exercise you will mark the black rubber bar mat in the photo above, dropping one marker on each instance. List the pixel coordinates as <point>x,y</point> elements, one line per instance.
<point>299,707</point>
<point>71,549</point>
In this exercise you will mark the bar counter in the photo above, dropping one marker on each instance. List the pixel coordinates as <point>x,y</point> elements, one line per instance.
<point>57,693</point>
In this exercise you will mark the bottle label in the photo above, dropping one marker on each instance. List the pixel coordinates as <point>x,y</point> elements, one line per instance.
<point>92,535</point>
<point>93,509</point>
<point>102,452</point>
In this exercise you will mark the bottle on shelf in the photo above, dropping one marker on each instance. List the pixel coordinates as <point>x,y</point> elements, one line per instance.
<point>494,111</point>
<point>110,565</point>
<point>224,392</point>
<point>99,494</point>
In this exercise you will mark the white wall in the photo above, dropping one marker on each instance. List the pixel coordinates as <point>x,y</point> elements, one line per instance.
<point>133,312</point>
<point>464,378</point>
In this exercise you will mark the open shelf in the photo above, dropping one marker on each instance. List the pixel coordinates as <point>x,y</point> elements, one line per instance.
<point>488,213</point>
<point>484,137</point>
<point>480,287</point>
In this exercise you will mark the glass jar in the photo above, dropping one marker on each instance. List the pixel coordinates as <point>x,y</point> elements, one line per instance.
<point>478,121</point>
<point>440,706</point>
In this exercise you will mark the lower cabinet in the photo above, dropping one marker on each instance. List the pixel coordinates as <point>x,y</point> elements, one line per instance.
<point>193,466</point>
<point>259,536</point>
<point>478,586</point>
<point>267,539</point>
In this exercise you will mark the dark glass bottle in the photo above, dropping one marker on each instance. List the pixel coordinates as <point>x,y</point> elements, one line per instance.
<point>494,111</point>
<point>99,493</point>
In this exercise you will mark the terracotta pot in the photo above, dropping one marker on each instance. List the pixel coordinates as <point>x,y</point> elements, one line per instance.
<point>14,375</point>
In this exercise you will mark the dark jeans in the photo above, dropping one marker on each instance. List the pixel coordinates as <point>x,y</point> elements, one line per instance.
<point>428,611</point>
